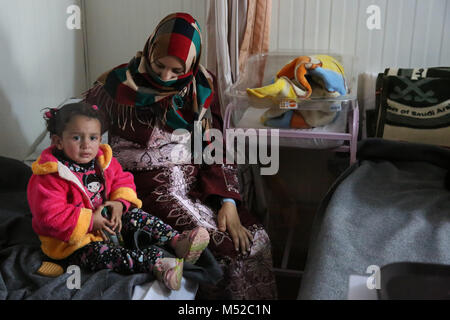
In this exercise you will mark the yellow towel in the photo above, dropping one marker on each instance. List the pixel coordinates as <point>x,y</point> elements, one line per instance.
<point>273,93</point>
<point>326,79</point>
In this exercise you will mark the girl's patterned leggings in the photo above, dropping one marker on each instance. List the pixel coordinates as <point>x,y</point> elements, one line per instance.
<point>105,255</point>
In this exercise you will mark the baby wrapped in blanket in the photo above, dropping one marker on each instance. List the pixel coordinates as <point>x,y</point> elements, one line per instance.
<point>316,76</point>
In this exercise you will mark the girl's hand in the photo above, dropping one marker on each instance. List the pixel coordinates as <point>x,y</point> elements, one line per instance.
<point>101,223</point>
<point>228,220</point>
<point>116,214</point>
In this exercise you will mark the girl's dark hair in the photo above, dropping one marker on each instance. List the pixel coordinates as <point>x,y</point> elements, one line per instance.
<point>57,119</point>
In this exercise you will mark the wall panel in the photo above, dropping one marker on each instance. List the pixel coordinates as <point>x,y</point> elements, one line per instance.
<point>413,33</point>
<point>118,28</point>
<point>41,63</point>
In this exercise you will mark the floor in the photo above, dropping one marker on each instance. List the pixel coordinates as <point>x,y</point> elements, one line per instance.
<point>293,196</point>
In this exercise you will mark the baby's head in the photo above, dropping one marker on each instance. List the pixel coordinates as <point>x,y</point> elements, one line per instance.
<point>76,129</point>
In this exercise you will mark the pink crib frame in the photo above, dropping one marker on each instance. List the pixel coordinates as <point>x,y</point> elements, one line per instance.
<point>351,136</point>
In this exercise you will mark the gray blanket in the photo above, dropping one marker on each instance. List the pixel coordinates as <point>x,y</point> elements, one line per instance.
<point>390,207</point>
<point>21,257</point>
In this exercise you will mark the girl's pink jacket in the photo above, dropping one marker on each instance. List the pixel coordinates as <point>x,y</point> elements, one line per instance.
<point>62,211</point>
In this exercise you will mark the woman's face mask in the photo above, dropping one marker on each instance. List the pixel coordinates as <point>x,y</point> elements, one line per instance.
<point>167,68</point>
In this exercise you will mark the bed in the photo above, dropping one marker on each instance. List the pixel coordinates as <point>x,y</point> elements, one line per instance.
<point>391,206</point>
<point>21,257</point>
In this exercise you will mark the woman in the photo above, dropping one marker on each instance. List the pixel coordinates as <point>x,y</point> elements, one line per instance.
<point>162,89</point>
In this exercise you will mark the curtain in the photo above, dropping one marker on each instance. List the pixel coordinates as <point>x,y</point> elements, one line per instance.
<point>236,29</point>
<point>221,33</point>
<point>227,43</point>
<point>257,31</point>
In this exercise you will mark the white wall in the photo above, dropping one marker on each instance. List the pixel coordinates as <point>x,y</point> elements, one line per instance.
<point>414,33</point>
<point>119,28</point>
<point>41,64</point>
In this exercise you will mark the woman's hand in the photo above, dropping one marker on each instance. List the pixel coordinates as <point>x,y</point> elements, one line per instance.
<point>228,220</point>
<point>116,214</point>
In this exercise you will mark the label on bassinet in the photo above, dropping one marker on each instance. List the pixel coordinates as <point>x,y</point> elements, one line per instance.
<point>288,104</point>
<point>323,106</point>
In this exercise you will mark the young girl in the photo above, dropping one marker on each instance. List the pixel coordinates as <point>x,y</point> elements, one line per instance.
<point>67,210</point>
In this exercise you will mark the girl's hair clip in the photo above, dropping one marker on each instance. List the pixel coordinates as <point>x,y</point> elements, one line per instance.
<point>50,113</point>
<point>94,106</point>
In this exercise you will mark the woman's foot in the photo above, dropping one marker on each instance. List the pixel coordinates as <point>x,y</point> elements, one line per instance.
<point>190,244</point>
<point>169,271</point>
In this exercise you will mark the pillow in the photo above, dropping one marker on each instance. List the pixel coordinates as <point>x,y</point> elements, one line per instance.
<point>413,105</point>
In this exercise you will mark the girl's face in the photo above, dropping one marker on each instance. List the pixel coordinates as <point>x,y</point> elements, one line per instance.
<point>81,138</point>
<point>167,68</point>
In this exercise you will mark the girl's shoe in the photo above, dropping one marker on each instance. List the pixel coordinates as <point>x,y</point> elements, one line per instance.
<point>169,271</point>
<point>191,243</point>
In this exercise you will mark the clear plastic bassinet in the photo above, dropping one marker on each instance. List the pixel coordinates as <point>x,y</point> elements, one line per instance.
<point>339,135</point>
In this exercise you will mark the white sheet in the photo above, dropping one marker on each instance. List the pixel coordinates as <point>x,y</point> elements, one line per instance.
<point>155,290</point>
<point>358,290</point>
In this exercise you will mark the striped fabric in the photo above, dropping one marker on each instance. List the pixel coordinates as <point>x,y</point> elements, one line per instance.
<point>136,85</point>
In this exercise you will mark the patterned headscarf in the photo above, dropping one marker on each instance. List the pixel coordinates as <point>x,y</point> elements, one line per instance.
<point>136,86</point>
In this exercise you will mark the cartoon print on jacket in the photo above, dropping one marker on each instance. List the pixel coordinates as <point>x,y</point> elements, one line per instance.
<point>94,185</point>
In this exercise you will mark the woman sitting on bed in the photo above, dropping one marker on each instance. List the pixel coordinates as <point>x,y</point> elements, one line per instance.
<point>164,88</point>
